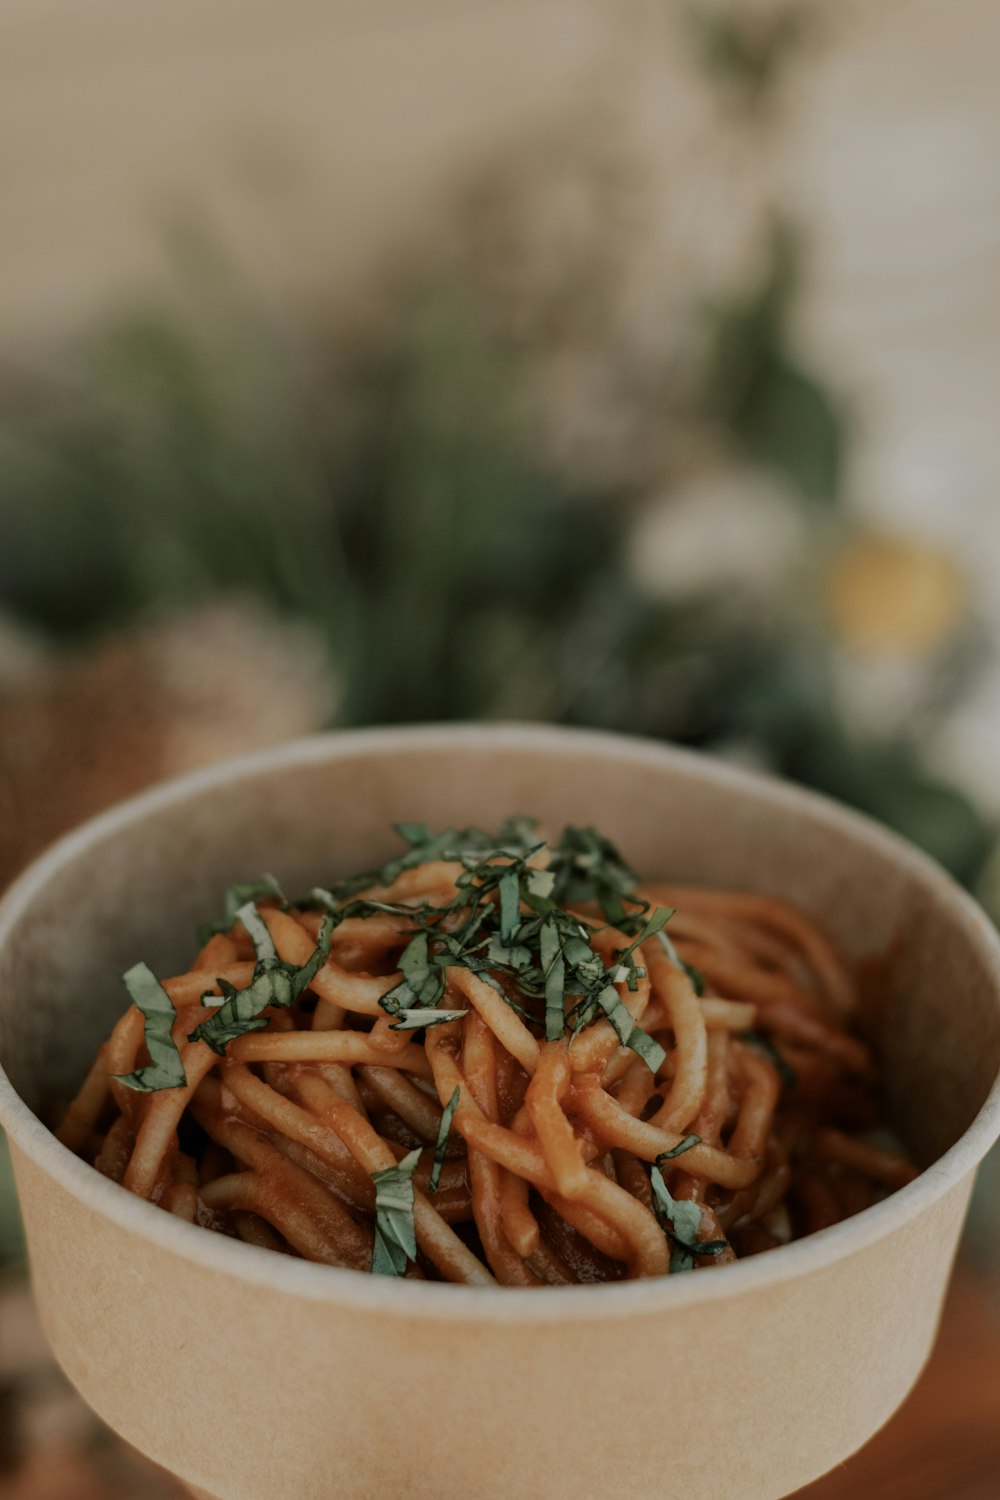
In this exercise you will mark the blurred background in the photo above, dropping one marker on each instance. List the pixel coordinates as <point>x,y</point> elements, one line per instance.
<point>629,363</point>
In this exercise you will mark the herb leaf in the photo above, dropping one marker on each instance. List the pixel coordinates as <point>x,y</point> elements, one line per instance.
<point>679,1149</point>
<point>441,1146</point>
<point>413,1020</point>
<point>588,868</point>
<point>545,950</point>
<point>629,1030</point>
<point>553,968</point>
<point>395,1236</point>
<point>454,843</point>
<point>257,932</point>
<point>274,983</point>
<point>423,981</point>
<point>786,1072</point>
<point>696,977</point>
<point>238,895</point>
<point>165,1069</point>
<point>507,922</point>
<point>680,1220</point>
<point>654,924</point>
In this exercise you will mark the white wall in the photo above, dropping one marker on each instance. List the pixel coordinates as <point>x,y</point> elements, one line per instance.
<point>304,132</point>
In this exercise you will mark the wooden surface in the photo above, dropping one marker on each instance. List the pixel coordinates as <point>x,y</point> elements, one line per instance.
<point>943,1445</point>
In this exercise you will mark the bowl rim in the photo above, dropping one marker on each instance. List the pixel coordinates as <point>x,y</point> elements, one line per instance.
<point>436,1301</point>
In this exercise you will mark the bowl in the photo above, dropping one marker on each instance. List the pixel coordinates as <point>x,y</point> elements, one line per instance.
<point>256,1376</point>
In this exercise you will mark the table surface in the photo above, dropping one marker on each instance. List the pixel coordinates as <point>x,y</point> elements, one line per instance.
<point>944,1444</point>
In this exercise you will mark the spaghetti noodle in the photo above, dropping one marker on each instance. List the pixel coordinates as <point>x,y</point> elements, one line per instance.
<point>497,1060</point>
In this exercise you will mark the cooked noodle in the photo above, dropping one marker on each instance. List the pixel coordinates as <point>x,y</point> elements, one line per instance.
<point>555,1161</point>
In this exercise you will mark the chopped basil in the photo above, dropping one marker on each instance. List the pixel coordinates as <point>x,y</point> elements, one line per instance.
<point>513,838</point>
<point>423,981</point>
<point>680,1220</point>
<point>441,1146</point>
<point>629,1030</point>
<point>588,868</point>
<point>507,923</point>
<point>413,834</point>
<point>679,1149</point>
<point>696,977</point>
<point>786,1072</point>
<point>165,1069</point>
<point>654,924</point>
<point>510,904</point>
<point>540,882</point>
<point>413,1020</point>
<point>274,983</point>
<point>517,957</point>
<point>237,896</point>
<point>395,1237</point>
<point>504,920</point>
<point>554,973</point>
<point>257,931</point>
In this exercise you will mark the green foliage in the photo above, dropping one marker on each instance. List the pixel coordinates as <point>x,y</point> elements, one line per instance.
<point>469,557</point>
<point>397,497</point>
<point>888,782</point>
<point>788,705</point>
<point>769,403</point>
<point>275,983</point>
<point>441,1144</point>
<point>743,49</point>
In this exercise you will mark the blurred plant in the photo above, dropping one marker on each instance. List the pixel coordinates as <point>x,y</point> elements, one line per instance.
<point>533,486</point>
<point>769,402</point>
<point>748,46</point>
<point>402,508</point>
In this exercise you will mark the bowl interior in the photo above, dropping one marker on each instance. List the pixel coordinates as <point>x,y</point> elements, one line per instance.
<point>135,884</point>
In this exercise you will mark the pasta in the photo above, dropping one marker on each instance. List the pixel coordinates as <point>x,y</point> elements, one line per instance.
<point>497,1060</point>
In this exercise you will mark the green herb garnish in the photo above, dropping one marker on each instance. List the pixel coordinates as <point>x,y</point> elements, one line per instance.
<point>395,1236</point>
<point>679,1149</point>
<point>441,1145</point>
<point>696,977</point>
<point>414,1020</point>
<point>508,919</point>
<point>238,895</point>
<point>764,1044</point>
<point>629,1031</point>
<point>165,1069</point>
<point>680,1220</point>
<point>512,838</point>
<point>588,868</point>
<point>507,923</point>
<point>274,983</point>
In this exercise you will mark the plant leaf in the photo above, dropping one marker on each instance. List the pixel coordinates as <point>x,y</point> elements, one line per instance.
<point>681,1221</point>
<point>274,983</point>
<point>629,1030</point>
<point>413,1020</point>
<point>441,1146</point>
<point>165,1069</point>
<point>554,972</point>
<point>237,896</point>
<point>764,1044</point>
<point>395,1236</point>
<point>679,1149</point>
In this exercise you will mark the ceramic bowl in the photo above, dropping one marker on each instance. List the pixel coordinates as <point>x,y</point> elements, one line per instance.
<point>255,1377</point>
